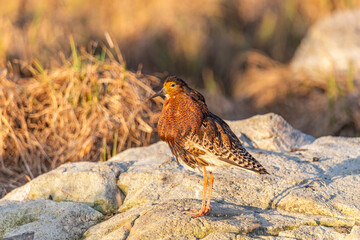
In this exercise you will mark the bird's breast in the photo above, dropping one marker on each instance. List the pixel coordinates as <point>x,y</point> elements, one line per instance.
<point>180,117</point>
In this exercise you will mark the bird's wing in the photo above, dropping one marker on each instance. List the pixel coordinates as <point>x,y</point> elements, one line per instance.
<point>216,138</point>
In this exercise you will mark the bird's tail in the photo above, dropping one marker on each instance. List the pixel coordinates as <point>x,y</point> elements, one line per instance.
<point>245,160</point>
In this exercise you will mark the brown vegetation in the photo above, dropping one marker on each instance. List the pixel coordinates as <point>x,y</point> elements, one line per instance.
<point>87,112</point>
<point>263,85</point>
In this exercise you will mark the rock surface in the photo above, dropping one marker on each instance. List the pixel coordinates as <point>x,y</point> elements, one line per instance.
<point>330,47</point>
<point>90,183</point>
<point>47,219</point>
<point>269,131</point>
<point>312,192</point>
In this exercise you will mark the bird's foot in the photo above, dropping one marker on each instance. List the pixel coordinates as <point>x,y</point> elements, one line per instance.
<point>197,212</point>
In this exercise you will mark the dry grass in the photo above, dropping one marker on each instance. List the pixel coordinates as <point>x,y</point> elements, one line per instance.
<point>74,113</point>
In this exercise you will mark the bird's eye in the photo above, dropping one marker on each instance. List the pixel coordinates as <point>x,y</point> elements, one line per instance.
<point>172,85</point>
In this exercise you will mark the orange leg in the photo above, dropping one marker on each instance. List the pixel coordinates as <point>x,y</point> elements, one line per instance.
<point>211,181</point>
<point>204,208</point>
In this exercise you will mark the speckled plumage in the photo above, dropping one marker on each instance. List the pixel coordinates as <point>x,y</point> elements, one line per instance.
<point>192,132</point>
<point>198,137</point>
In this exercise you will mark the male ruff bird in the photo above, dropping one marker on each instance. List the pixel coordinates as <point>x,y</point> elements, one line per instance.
<point>198,137</point>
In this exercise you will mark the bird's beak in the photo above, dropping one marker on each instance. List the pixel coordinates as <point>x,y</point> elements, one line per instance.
<point>161,92</point>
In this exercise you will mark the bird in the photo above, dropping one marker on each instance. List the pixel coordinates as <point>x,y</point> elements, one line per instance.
<point>199,138</point>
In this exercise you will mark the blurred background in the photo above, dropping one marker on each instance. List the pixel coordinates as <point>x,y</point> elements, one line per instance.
<point>76,74</point>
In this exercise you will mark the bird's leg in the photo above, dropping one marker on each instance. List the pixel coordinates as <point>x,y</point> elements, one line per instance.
<point>204,209</point>
<point>205,188</point>
<point>211,181</point>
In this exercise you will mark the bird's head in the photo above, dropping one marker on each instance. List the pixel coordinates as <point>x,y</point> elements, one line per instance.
<point>172,86</point>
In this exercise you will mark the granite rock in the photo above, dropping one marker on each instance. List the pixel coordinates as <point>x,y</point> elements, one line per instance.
<point>311,192</point>
<point>330,47</point>
<point>90,183</point>
<point>47,219</point>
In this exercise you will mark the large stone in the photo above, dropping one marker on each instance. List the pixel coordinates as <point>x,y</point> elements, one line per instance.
<point>90,183</point>
<point>312,183</point>
<point>312,189</point>
<point>47,219</point>
<point>226,221</point>
<point>271,132</point>
<point>330,47</point>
